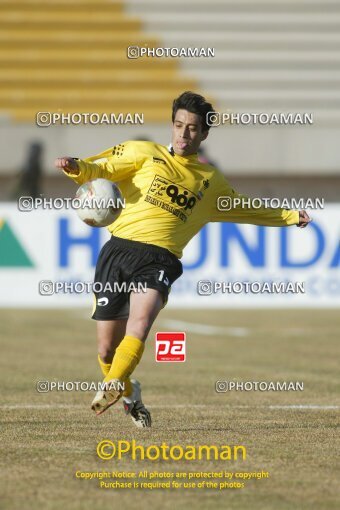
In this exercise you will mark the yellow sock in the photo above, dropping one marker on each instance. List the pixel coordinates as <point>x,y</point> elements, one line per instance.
<point>128,387</point>
<point>105,368</point>
<point>126,358</point>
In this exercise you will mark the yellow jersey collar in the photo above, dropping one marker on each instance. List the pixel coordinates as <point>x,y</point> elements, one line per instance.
<point>187,159</point>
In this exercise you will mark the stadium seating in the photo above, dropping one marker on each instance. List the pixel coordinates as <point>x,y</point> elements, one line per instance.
<point>72,56</point>
<point>270,55</point>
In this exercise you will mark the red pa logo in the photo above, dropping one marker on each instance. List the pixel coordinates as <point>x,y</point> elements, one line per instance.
<point>170,347</point>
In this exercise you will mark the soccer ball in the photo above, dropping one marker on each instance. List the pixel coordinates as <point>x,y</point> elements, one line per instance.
<point>99,202</point>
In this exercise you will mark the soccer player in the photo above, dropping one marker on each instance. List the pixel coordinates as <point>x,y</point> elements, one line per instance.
<point>170,195</point>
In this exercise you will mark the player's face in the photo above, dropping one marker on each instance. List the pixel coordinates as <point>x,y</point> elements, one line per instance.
<point>187,133</point>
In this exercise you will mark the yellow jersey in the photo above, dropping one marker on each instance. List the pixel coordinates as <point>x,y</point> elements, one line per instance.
<point>169,198</point>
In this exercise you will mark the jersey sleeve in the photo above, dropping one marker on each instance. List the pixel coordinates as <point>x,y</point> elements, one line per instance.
<point>115,164</point>
<point>236,208</point>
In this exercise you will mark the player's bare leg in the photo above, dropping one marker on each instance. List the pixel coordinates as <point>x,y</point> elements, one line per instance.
<point>109,336</point>
<point>144,308</point>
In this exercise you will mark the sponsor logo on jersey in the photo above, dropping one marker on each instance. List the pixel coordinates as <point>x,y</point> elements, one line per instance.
<point>172,197</point>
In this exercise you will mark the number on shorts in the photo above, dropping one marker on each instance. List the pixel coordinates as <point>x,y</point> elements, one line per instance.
<point>161,277</point>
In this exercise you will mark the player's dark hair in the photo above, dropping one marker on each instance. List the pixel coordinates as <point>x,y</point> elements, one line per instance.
<point>193,103</point>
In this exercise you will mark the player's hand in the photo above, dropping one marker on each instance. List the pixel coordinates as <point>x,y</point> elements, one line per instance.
<point>304,219</point>
<point>69,165</point>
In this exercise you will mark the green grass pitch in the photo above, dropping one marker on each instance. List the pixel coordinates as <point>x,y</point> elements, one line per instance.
<point>47,437</point>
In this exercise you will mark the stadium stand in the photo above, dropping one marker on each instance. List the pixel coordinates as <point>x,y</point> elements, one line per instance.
<point>270,55</point>
<point>71,56</point>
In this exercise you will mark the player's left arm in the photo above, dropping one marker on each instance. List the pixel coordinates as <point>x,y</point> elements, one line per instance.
<point>242,211</point>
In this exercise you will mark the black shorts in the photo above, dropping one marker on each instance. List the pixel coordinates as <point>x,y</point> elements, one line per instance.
<point>124,266</point>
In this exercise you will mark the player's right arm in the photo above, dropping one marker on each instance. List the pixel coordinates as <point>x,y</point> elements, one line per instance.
<point>114,164</point>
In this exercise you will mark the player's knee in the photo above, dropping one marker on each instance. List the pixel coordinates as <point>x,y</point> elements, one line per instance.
<point>106,353</point>
<point>138,327</point>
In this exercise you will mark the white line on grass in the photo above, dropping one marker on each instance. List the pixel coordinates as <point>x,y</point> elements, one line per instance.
<point>40,406</point>
<point>175,406</point>
<point>307,406</point>
<point>201,329</point>
<point>204,329</point>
